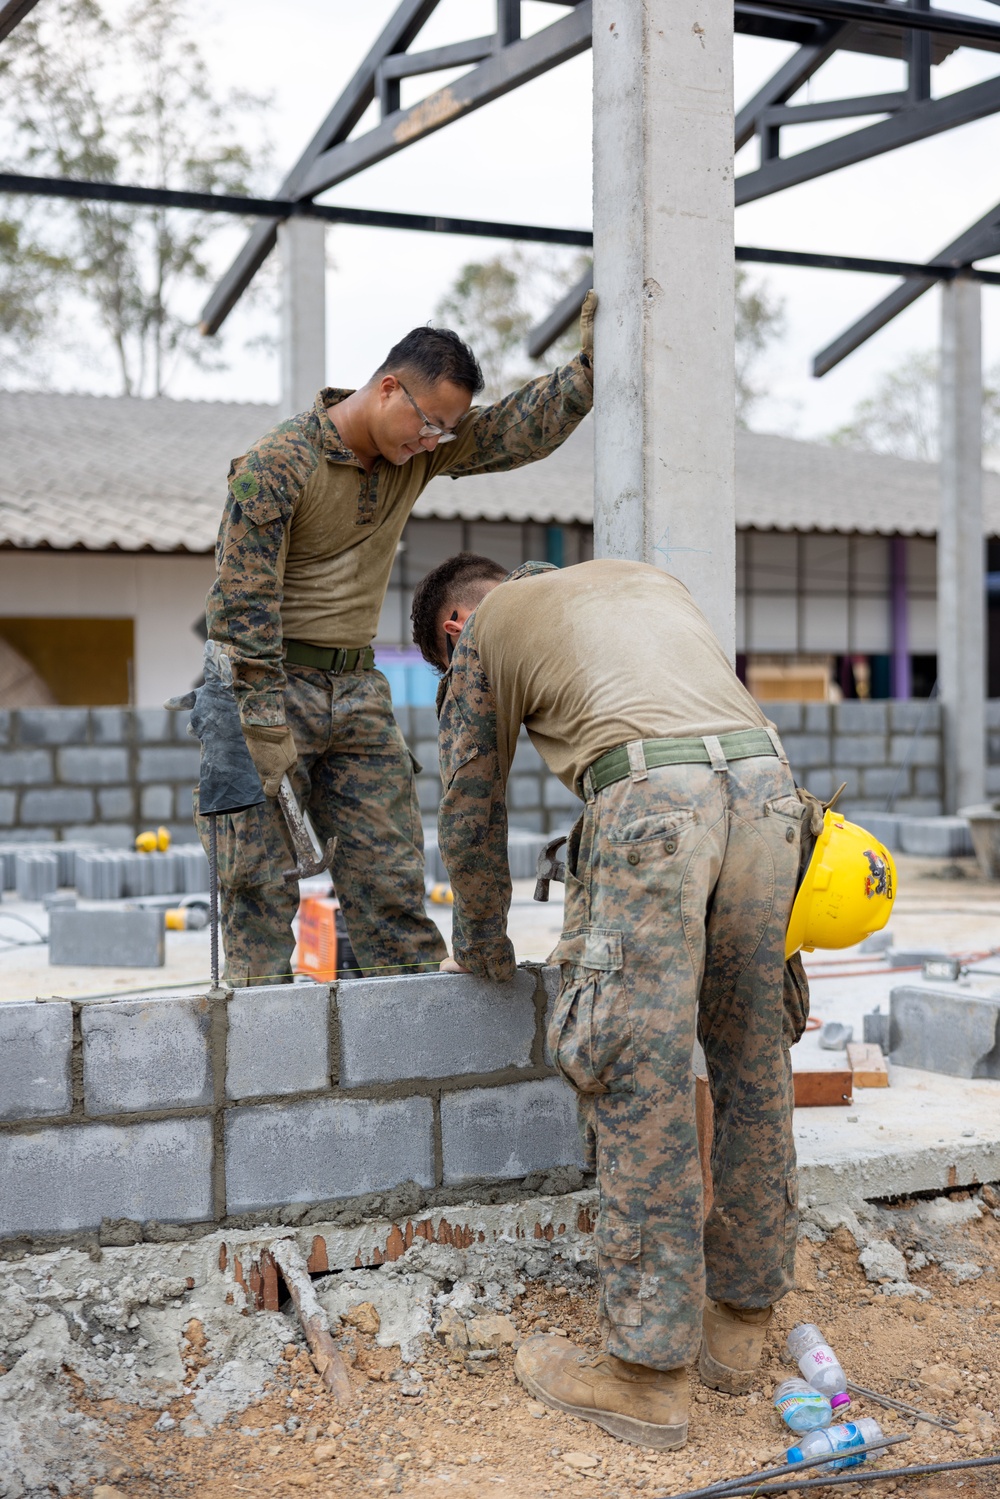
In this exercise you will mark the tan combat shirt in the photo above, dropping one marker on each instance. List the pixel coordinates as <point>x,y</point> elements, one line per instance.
<point>308,538</point>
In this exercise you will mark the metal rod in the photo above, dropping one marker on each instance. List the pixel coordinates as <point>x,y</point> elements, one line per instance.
<point>836,1480</point>
<point>943,22</point>
<point>899,1405</point>
<point>723,1487</point>
<point>213,893</point>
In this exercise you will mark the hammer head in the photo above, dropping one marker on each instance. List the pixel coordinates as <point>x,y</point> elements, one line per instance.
<point>306,868</point>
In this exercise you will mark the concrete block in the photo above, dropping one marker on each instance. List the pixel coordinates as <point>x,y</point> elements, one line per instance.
<point>927,780</point>
<point>428,793</point>
<point>114,803</point>
<point>52,726</point>
<point>179,723</point>
<point>173,763</point>
<point>859,717</point>
<point>36,874</point>
<point>184,806</point>
<point>919,806</point>
<point>806,750</point>
<point>25,767</point>
<point>882,781</point>
<point>559,797</point>
<point>859,749</point>
<point>27,835</point>
<point>84,765</point>
<point>914,713</point>
<point>992,780</point>
<point>36,1048</point>
<point>278,1040</point>
<point>146,1054</point>
<point>108,834</point>
<point>935,837</point>
<point>60,1180</point>
<point>535,822</point>
<point>57,804</point>
<point>882,825</point>
<point>108,725</point>
<point>5,725</point>
<point>433,1025</point>
<point>786,717</point>
<point>509,1131</point>
<point>426,751</point>
<point>524,792</point>
<point>925,749</point>
<point>423,723</point>
<point>820,781</point>
<point>945,1030</point>
<point>817,717</point>
<point>551,976</point>
<point>992,713</point>
<point>8,804</point>
<point>527,758</point>
<point>152,724</point>
<point>156,802</point>
<point>106,939</point>
<point>321,1148</point>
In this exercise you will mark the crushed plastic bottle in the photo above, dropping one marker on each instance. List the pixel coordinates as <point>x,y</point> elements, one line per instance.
<point>816,1359</point>
<point>837,1439</point>
<point>801,1407</point>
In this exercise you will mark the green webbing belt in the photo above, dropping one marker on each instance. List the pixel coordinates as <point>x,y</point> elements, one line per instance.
<point>329,658</point>
<point>744,744</point>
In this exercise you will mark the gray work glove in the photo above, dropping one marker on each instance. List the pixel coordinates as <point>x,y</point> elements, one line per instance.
<point>228,781</point>
<point>272,749</point>
<point>587,323</point>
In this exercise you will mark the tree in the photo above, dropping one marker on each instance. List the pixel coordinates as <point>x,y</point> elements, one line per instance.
<point>902,415</point>
<point>28,277</point>
<point>127,102</point>
<point>760,320</point>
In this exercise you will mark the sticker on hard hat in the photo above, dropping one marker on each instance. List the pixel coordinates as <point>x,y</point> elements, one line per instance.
<point>879,880</point>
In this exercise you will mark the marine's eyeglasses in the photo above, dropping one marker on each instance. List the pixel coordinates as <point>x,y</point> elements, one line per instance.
<point>429,429</point>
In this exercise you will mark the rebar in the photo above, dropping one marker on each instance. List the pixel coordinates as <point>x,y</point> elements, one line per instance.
<point>725,1486</point>
<point>213,893</point>
<point>753,1487</point>
<point>900,1405</point>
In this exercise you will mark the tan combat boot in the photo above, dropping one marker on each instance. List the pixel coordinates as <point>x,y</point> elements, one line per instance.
<point>636,1404</point>
<point>731,1346</point>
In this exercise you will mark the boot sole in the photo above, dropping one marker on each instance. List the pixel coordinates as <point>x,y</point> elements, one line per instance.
<point>720,1377</point>
<point>625,1428</point>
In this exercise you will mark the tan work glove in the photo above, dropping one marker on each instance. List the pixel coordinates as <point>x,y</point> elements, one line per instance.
<point>587,324</point>
<point>272,750</point>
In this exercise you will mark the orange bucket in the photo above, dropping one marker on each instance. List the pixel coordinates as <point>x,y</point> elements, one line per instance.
<point>316,952</point>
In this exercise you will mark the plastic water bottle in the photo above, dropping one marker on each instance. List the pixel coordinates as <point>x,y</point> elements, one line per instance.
<point>801,1407</point>
<point>839,1439</point>
<point>816,1359</point>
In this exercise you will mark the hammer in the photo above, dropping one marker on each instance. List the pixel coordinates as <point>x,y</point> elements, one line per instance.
<point>309,859</point>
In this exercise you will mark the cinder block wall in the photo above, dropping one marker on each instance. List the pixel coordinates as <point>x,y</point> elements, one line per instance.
<point>213,1109</point>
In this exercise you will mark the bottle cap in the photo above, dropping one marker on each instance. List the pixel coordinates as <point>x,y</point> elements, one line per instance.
<point>838,1402</point>
<point>794,1455</point>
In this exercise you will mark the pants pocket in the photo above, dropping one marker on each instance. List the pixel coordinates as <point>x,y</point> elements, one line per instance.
<point>590,1033</point>
<point>252,852</point>
<point>795,1000</point>
<point>619,1263</point>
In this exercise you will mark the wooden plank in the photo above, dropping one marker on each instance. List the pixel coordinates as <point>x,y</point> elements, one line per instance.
<point>705,1118</point>
<point>868,1066</point>
<point>821,1089</point>
<point>327,1359</point>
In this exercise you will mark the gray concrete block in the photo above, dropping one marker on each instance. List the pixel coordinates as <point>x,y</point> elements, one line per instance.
<point>27,835</point>
<point>882,825</point>
<point>806,750</point>
<point>25,767</point>
<point>935,837</point>
<point>912,713</point>
<point>817,717</point>
<point>109,725</point>
<point>786,717</point>
<point>106,939</point>
<point>108,834</point>
<point>60,1180</point>
<point>927,780</point>
<point>423,723</point>
<point>535,822</point>
<point>156,802</point>
<point>184,803</point>
<point>992,780</point>
<point>179,723</point>
<point>925,749</point>
<point>820,781</point>
<point>526,757</point>
<point>859,717</point>
<point>83,765</point>
<point>882,781</point>
<point>172,763</point>
<point>146,1054</point>
<point>992,713</point>
<point>52,725</point>
<point>182,832</point>
<point>859,749</point>
<point>433,1025</point>
<point>321,1148</point>
<point>426,751</point>
<point>945,1030</point>
<point>428,793</point>
<point>115,802</point>
<point>509,1131</point>
<point>278,1040</point>
<point>559,797</point>
<point>36,1047</point>
<point>551,976</point>
<point>8,805</point>
<point>57,804</point>
<point>152,724</point>
<point>524,792</point>
<point>919,806</point>
<point>5,725</point>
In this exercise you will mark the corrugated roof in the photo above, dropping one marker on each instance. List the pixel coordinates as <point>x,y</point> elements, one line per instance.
<point>102,473</point>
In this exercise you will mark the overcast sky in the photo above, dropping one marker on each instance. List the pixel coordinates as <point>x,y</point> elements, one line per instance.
<point>527,157</point>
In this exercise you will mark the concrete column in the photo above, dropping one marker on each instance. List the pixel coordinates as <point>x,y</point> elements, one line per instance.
<point>961,623</point>
<point>664,272</point>
<point>302,248</point>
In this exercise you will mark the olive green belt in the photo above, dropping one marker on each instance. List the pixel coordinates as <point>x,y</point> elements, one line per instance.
<point>744,744</point>
<point>329,658</point>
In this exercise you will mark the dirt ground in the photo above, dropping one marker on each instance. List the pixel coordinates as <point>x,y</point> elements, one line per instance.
<point>473,1426</point>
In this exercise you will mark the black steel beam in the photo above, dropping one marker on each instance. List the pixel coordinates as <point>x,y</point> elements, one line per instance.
<point>787,80</point>
<point>545,333</point>
<point>454,55</point>
<point>915,268</point>
<point>12,13</point>
<point>780,115</point>
<point>866,12</point>
<point>916,123</point>
<point>980,241</point>
<point>505,70</point>
<point>402,28</point>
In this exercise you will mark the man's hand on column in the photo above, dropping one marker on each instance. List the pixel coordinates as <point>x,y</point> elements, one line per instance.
<point>587,323</point>
<point>272,749</point>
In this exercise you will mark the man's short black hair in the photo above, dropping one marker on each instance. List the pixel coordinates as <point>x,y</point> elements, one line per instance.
<point>454,581</point>
<point>432,354</point>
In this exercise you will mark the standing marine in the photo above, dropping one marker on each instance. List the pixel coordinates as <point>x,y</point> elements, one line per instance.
<point>309,535</point>
<point>680,876</point>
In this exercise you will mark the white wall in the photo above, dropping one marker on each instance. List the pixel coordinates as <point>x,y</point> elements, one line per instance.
<point>163,594</point>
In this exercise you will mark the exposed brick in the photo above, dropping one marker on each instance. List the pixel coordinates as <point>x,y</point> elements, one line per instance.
<point>859,749</point>
<point>148,1054</point>
<point>156,802</point>
<point>509,1131</point>
<point>25,767</point>
<point>36,1045</point>
<point>83,765</point>
<point>172,763</point>
<point>855,717</point>
<point>433,1025</point>
<point>114,803</point>
<point>109,725</point>
<point>326,1147</point>
<point>52,726</point>
<point>784,716</point>
<point>57,804</point>
<point>60,1180</point>
<point>278,1040</point>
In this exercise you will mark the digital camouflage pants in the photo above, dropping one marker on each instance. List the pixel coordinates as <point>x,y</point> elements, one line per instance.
<point>355,776</point>
<point>679,883</point>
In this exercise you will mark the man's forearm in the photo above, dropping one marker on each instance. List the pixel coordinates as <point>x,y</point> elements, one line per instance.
<point>529,423</point>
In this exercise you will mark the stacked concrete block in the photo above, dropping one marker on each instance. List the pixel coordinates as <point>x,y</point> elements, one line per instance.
<point>36,1046</point>
<point>141,1055</point>
<point>36,875</point>
<point>278,1040</point>
<point>110,938</point>
<point>509,1132</point>
<point>935,837</point>
<point>945,1030</point>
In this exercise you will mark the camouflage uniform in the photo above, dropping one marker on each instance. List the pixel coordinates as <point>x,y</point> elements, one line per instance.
<point>679,883</point>
<point>305,552</point>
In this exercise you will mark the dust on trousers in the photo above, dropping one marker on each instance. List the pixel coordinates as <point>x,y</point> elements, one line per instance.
<point>355,776</point>
<point>678,891</point>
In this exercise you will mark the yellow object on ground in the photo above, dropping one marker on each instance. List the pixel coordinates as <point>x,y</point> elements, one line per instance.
<point>151,843</point>
<point>441,895</point>
<point>846,893</point>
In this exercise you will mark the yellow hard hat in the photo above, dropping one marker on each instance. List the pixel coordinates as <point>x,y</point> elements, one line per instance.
<point>847,891</point>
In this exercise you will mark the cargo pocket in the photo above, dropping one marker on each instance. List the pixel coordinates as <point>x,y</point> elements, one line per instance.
<point>795,1000</point>
<point>252,852</point>
<point>619,1262</point>
<point>590,1033</point>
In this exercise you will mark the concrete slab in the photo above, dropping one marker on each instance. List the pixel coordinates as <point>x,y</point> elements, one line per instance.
<point>123,939</point>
